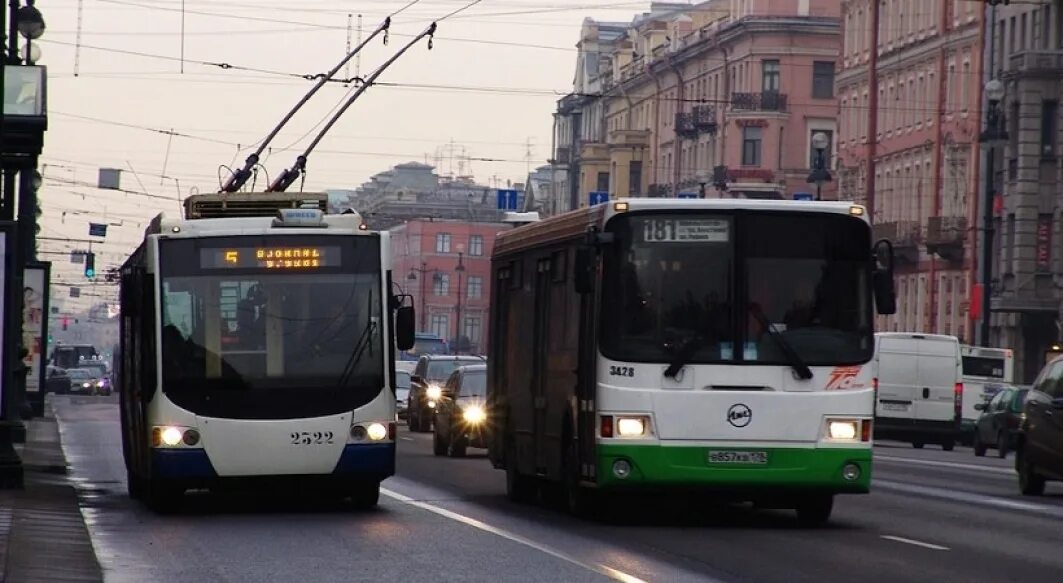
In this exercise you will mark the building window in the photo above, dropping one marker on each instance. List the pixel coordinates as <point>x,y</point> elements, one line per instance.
<point>823,80</point>
<point>770,81</point>
<point>603,182</point>
<point>826,152</point>
<point>472,330</point>
<point>441,325</point>
<point>476,245</point>
<point>476,287</point>
<point>1049,127</point>
<point>442,242</point>
<point>441,284</point>
<point>751,139</point>
<point>634,176</point>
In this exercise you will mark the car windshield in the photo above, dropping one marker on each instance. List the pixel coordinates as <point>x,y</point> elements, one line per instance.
<point>402,394</point>
<point>402,380</point>
<point>79,374</point>
<point>268,328</point>
<point>700,285</point>
<point>473,385</point>
<point>439,370</point>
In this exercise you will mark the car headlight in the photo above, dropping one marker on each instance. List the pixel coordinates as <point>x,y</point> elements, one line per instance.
<point>474,414</point>
<point>434,393</point>
<point>843,429</point>
<point>632,426</point>
<point>86,385</point>
<point>99,384</point>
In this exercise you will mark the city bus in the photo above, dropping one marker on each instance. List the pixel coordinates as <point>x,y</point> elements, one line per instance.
<point>257,350</point>
<point>985,372</point>
<point>717,346</point>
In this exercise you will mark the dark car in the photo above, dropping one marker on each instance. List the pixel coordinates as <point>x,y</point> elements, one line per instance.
<point>426,386</point>
<point>998,425</point>
<point>56,381</point>
<point>1039,451</point>
<point>461,416</point>
<point>402,392</point>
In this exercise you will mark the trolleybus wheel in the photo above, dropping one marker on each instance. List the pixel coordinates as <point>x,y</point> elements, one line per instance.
<point>365,496</point>
<point>162,497</point>
<point>815,510</point>
<point>518,488</point>
<point>134,485</point>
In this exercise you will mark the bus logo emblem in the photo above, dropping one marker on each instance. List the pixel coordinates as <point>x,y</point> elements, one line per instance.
<point>739,415</point>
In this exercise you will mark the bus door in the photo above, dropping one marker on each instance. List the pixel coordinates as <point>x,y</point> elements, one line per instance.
<point>539,364</point>
<point>586,383</point>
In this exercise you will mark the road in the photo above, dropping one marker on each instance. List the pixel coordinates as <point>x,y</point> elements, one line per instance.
<point>934,515</point>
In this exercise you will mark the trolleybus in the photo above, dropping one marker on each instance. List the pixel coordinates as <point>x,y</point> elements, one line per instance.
<point>259,350</point>
<point>986,371</point>
<point>659,345</point>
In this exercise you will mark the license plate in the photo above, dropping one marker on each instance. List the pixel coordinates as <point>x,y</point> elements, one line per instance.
<point>895,406</point>
<point>738,457</point>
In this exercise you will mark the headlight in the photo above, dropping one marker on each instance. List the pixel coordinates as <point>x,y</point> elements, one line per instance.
<point>86,385</point>
<point>99,384</point>
<point>845,430</point>
<point>631,426</point>
<point>434,393</point>
<point>171,436</point>
<point>474,414</point>
<point>377,431</point>
<point>431,404</point>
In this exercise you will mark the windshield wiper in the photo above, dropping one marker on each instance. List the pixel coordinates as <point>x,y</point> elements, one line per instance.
<point>801,369</point>
<point>682,356</point>
<point>364,342</point>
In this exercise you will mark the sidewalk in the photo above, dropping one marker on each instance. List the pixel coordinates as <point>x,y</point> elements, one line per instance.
<point>42,532</point>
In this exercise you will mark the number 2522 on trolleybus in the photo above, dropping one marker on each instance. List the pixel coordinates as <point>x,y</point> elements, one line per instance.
<point>688,345</point>
<point>259,350</point>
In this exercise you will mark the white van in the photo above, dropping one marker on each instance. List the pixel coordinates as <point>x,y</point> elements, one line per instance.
<point>919,388</point>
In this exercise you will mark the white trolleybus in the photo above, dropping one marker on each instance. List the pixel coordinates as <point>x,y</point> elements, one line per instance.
<point>697,346</point>
<point>986,371</point>
<point>257,349</point>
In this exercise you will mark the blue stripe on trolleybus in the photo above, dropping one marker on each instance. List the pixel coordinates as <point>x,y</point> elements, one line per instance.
<point>182,463</point>
<point>371,459</point>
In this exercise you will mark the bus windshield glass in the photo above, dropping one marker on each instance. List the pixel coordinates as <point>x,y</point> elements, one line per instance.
<point>983,367</point>
<point>268,327</point>
<point>738,288</point>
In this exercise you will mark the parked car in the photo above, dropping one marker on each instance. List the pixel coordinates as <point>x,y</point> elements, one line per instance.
<point>1039,451</point>
<point>426,386</point>
<point>402,392</point>
<point>461,415</point>
<point>998,425</point>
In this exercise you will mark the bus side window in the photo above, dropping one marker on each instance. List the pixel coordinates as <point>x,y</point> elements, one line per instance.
<point>148,369</point>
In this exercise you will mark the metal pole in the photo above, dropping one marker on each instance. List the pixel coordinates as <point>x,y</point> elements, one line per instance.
<point>457,324</point>
<point>987,238</point>
<point>424,292</point>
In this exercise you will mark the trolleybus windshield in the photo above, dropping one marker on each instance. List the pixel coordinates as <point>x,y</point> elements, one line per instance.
<point>703,285</point>
<point>268,327</point>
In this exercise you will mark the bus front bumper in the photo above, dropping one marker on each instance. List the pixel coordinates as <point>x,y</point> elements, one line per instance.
<point>820,470</point>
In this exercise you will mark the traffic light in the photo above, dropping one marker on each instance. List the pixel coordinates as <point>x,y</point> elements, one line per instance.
<point>90,265</point>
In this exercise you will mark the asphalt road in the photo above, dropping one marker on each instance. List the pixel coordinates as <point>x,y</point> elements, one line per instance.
<point>933,516</point>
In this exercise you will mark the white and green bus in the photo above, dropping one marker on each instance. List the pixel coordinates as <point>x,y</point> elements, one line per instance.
<point>666,345</point>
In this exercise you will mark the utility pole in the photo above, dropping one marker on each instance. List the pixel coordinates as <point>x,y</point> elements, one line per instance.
<point>872,111</point>
<point>458,336</point>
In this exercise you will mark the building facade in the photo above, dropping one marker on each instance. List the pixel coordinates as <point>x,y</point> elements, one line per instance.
<point>446,267</point>
<point>1026,49</point>
<point>719,98</point>
<point>909,92</point>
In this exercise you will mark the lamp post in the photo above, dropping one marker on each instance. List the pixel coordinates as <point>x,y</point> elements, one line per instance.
<point>460,269</point>
<point>424,291</point>
<point>820,173</point>
<point>993,134</point>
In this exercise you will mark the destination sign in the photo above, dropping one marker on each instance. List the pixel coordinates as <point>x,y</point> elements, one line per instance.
<point>670,230</point>
<point>272,257</point>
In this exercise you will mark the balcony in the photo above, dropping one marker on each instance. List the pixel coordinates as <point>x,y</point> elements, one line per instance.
<point>947,236</point>
<point>770,101</point>
<point>1036,63</point>
<point>563,156</point>
<point>684,125</point>
<point>906,237</point>
<point>629,139</point>
<point>705,119</point>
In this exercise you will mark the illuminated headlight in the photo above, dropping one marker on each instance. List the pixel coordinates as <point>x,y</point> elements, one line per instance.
<point>377,431</point>
<point>631,426</point>
<point>100,384</point>
<point>474,414</point>
<point>844,430</point>
<point>86,385</point>
<point>434,393</point>
<point>431,404</point>
<point>169,436</point>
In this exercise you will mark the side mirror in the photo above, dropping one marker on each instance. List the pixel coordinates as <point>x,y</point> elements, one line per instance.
<point>1057,403</point>
<point>585,269</point>
<point>882,278</point>
<point>416,378</point>
<point>405,327</point>
<point>979,407</point>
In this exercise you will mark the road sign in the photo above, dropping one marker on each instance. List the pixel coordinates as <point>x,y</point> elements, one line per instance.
<point>803,196</point>
<point>97,230</point>
<point>507,199</point>
<point>598,197</point>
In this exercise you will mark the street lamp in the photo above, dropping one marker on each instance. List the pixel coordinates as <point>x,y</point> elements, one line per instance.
<point>424,292</point>
<point>993,134</point>
<point>30,21</point>
<point>820,173</point>
<point>460,269</point>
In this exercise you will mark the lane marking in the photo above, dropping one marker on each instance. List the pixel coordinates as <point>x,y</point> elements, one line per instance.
<point>953,465</point>
<point>970,498</point>
<point>610,572</point>
<point>406,438</point>
<point>909,541</point>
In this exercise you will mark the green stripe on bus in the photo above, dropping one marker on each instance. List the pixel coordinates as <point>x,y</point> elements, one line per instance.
<point>684,466</point>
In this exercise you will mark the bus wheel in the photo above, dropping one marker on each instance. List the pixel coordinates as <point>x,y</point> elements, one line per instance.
<point>134,485</point>
<point>815,510</point>
<point>365,496</point>
<point>162,497</point>
<point>519,488</point>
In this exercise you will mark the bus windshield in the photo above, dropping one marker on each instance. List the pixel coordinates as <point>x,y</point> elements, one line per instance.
<point>256,341</point>
<point>695,287</point>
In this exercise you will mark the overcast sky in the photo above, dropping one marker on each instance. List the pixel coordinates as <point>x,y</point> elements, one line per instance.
<point>488,84</point>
